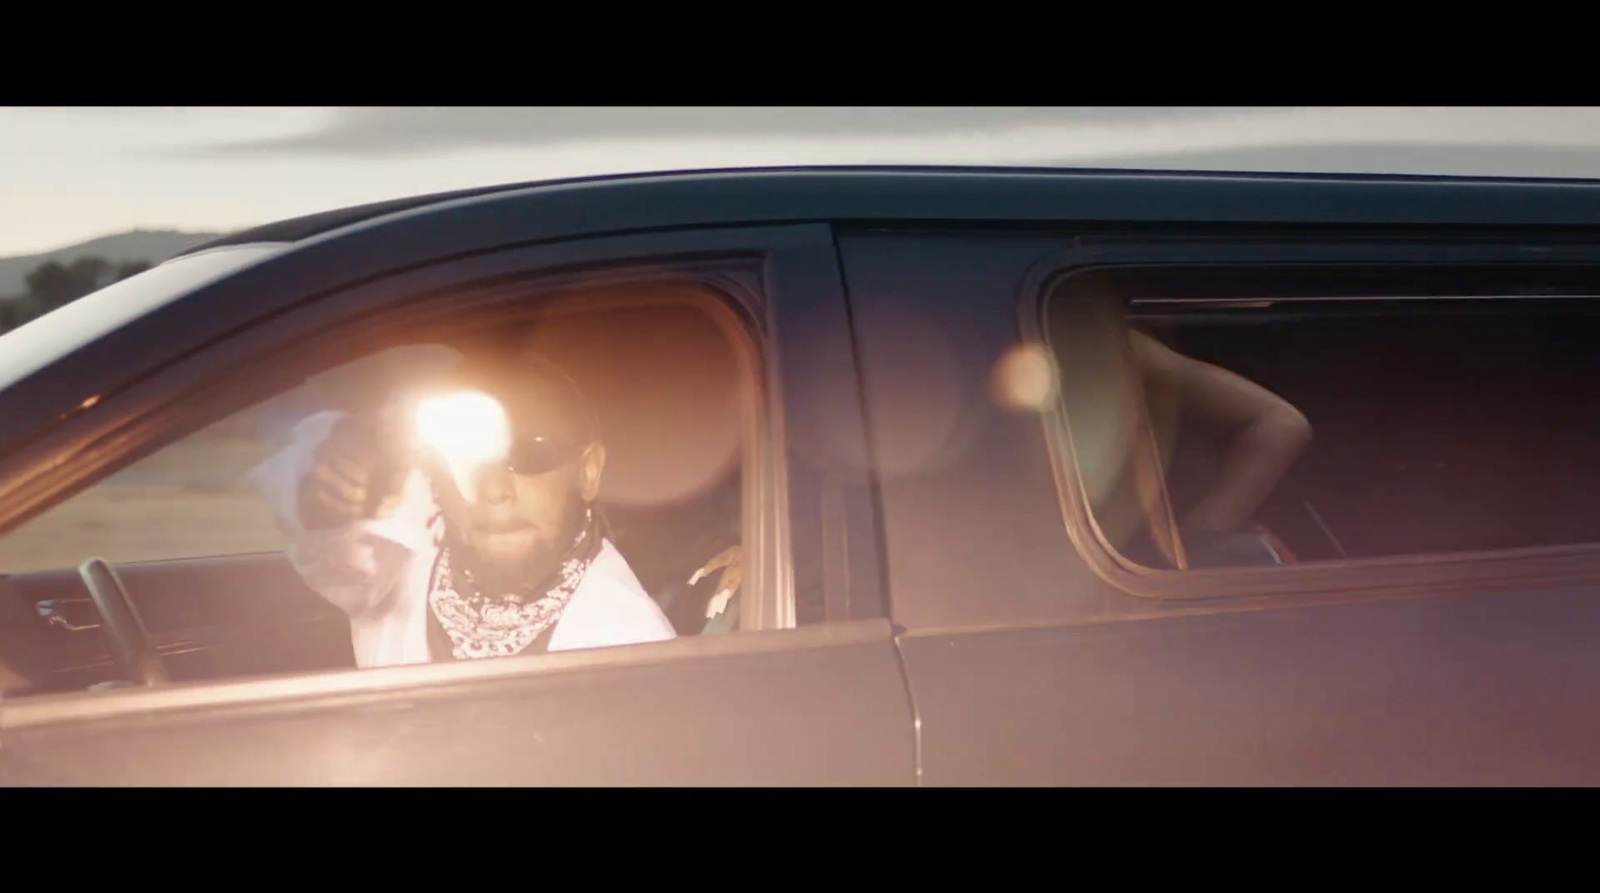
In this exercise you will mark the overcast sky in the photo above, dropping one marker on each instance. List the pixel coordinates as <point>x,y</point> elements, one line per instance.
<point>67,175</point>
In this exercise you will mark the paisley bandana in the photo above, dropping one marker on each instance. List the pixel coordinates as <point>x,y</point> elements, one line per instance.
<point>465,623</point>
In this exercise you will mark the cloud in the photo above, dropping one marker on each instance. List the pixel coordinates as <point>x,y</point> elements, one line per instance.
<point>410,131</point>
<point>538,143</point>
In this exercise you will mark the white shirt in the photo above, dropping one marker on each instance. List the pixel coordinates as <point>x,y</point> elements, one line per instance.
<point>378,571</point>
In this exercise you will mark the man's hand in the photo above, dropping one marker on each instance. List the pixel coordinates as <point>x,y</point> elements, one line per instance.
<point>360,471</point>
<point>728,561</point>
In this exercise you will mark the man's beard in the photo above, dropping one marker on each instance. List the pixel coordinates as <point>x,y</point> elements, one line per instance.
<point>524,559</point>
<point>509,562</point>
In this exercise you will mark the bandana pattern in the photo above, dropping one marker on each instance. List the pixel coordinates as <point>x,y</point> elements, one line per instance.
<point>480,625</point>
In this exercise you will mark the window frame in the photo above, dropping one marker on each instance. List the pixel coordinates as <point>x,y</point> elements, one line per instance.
<point>748,267</point>
<point>1340,580</point>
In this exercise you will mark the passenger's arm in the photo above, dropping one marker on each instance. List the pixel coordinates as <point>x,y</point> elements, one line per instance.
<point>353,563</point>
<point>1266,434</point>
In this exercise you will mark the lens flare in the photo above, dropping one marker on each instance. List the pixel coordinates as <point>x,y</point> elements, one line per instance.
<point>1024,379</point>
<point>466,429</point>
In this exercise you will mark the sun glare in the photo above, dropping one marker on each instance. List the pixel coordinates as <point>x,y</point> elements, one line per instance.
<point>467,429</point>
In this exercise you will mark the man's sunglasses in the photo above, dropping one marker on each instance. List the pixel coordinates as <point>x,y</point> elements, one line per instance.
<point>471,429</point>
<point>531,455</point>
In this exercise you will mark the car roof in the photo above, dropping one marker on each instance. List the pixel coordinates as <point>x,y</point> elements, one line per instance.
<point>764,179</point>
<point>332,250</point>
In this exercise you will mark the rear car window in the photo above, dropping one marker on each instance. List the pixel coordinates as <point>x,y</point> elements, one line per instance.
<point>1323,417</point>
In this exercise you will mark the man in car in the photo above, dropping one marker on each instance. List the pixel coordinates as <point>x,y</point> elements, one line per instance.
<point>439,554</point>
<point>1262,434</point>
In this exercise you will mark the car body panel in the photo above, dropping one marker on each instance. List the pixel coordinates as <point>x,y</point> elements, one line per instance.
<point>935,313</point>
<point>1459,689</point>
<point>760,708</point>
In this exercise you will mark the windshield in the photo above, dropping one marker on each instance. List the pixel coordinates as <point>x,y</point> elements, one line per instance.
<point>34,345</point>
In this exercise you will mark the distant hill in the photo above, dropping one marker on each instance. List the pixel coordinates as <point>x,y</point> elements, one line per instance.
<point>154,246</point>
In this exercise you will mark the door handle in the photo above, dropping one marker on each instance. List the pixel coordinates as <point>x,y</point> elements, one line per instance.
<point>52,610</point>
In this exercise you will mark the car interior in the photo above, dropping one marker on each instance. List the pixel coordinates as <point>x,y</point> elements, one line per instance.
<point>666,383</point>
<point>1439,425</point>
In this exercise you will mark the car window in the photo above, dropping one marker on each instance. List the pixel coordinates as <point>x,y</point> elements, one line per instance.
<point>194,498</point>
<point>612,511</point>
<point>1238,419</point>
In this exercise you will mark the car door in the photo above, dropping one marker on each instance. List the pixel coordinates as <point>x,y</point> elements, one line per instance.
<point>1039,655</point>
<point>807,691</point>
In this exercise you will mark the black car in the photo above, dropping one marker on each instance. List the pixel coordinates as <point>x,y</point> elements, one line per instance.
<point>907,396</point>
